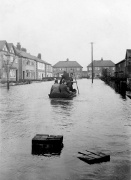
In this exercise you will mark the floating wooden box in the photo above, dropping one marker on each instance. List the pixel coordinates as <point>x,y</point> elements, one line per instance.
<point>47,144</point>
<point>94,158</point>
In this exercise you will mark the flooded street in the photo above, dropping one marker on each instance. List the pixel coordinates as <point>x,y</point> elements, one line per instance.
<point>98,119</point>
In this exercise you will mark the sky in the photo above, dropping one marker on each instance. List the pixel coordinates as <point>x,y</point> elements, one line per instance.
<point>61,29</point>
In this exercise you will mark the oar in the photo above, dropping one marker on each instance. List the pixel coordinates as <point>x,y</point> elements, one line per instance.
<point>76,83</point>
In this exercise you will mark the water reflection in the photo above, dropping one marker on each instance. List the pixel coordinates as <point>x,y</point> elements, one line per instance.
<point>39,149</point>
<point>62,106</point>
<point>63,102</point>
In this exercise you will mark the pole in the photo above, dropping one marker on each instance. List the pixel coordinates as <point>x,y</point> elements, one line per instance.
<point>8,86</point>
<point>92,59</point>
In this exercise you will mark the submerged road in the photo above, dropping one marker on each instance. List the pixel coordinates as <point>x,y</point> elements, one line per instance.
<point>98,119</point>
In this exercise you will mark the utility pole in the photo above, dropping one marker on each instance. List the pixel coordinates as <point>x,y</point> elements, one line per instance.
<point>92,59</point>
<point>8,70</point>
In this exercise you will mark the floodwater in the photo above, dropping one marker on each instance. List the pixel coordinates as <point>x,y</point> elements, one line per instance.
<point>97,119</point>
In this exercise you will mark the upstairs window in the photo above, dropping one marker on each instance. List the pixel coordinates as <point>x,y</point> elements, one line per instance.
<point>11,50</point>
<point>5,48</point>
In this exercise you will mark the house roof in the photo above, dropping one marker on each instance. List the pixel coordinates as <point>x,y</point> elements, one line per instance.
<point>128,53</point>
<point>120,62</point>
<point>102,63</point>
<point>2,43</point>
<point>67,64</point>
<point>29,56</point>
<point>11,45</point>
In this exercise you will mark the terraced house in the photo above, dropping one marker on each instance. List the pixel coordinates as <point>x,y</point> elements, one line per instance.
<point>69,67</point>
<point>20,64</point>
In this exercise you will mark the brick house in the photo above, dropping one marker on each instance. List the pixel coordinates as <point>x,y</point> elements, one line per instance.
<point>32,67</point>
<point>8,62</point>
<point>27,64</point>
<point>69,67</point>
<point>98,66</point>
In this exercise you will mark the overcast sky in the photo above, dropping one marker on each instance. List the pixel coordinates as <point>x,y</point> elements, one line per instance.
<point>61,29</point>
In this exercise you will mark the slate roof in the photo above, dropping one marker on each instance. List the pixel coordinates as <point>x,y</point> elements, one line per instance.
<point>128,53</point>
<point>2,43</point>
<point>11,45</point>
<point>29,56</point>
<point>120,62</point>
<point>67,64</point>
<point>102,63</point>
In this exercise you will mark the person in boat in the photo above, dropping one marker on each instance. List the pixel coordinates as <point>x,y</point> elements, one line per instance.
<point>70,83</point>
<point>69,80</point>
<point>65,76</point>
<point>55,87</point>
<point>64,88</point>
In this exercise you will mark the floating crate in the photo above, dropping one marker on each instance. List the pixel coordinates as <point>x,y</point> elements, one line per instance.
<point>47,144</point>
<point>94,158</point>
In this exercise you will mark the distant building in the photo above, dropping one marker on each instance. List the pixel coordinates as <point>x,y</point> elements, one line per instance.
<point>123,68</point>
<point>8,60</point>
<point>32,67</point>
<point>85,74</point>
<point>17,64</point>
<point>98,66</point>
<point>69,67</point>
<point>120,69</point>
<point>27,64</point>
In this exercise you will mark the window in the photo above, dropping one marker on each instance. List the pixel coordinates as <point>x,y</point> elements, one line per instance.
<point>5,48</point>
<point>16,60</point>
<point>97,68</point>
<point>11,50</point>
<point>12,73</point>
<point>11,59</point>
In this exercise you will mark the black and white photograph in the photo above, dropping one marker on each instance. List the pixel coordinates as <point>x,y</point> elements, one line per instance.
<point>65,90</point>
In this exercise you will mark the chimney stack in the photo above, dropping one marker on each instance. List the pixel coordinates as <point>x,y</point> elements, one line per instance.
<point>39,56</point>
<point>18,46</point>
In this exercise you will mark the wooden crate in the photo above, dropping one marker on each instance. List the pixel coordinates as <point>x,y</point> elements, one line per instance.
<point>47,144</point>
<point>93,158</point>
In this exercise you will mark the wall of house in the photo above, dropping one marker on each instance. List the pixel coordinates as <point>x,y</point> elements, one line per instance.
<point>28,69</point>
<point>128,68</point>
<point>97,71</point>
<point>58,72</point>
<point>120,69</point>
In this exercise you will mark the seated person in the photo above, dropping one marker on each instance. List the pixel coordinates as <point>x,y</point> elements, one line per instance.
<point>64,88</point>
<point>55,87</point>
<point>70,83</point>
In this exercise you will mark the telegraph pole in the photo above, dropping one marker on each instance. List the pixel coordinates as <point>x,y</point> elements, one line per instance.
<point>92,59</point>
